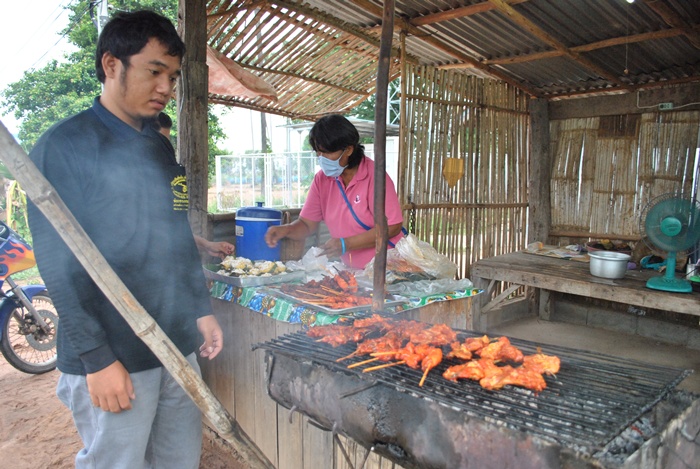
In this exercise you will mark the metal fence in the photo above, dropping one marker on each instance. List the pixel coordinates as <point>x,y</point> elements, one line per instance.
<point>275,179</point>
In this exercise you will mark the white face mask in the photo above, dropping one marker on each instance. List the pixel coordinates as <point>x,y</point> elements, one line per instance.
<point>331,168</point>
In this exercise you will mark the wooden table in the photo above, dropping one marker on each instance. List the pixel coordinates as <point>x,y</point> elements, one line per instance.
<point>548,274</point>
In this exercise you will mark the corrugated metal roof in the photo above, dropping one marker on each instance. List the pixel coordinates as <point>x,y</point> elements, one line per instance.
<point>321,55</point>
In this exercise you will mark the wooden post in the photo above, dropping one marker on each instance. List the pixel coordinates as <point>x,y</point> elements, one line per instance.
<point>192,112</point>
<point>44,196</point>
<point>380,110</point>
<point>540,172</point>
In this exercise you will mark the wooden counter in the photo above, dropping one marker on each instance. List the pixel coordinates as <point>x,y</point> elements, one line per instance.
<point>237,377</point>
<point>548,274</point>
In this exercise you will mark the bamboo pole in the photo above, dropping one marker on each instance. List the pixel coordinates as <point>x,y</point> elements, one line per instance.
<point>44,196</point>
<point>380,221</point>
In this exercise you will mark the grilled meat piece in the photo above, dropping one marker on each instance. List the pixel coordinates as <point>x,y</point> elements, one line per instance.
<point>520,376</point>
<point>474,370</point>
<point>541,363</point>
<point>502,350</point>
<point>439,334</point>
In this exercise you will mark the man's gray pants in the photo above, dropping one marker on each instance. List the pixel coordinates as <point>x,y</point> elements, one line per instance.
<point>163,429</point>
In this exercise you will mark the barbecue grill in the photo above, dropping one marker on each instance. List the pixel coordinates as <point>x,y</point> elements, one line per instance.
<point>580,420</point>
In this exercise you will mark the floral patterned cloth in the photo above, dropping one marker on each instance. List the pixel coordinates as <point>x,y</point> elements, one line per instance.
<point>265,302</point>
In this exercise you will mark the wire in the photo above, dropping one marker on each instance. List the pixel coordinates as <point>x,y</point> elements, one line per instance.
<point>68,30</point>
<point>58,11</point>
<point>657,105</point>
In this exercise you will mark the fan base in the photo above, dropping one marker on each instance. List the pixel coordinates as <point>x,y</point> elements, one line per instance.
<point>673,284</point>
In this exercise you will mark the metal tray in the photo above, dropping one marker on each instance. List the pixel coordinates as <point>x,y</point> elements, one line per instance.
<point>252,281</point>
<point>390,300</point>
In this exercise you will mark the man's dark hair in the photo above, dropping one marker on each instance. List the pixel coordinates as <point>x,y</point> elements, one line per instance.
<point>334,132</point>
<point>126,34</point>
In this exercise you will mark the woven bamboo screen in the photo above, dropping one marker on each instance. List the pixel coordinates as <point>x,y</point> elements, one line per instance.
<point>606,170</point>
<point>448,116</point>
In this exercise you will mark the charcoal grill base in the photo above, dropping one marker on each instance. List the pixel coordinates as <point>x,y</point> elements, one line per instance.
<point>402,427</point>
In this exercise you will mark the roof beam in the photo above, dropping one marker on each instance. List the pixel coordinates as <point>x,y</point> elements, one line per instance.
<point>664,33</point>
<point>526,24</point>
<point>412,30</point>
<point>460,12</point>
<point>672,19</point>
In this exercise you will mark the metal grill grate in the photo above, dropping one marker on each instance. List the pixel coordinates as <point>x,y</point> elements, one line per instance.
<point>592,399</point>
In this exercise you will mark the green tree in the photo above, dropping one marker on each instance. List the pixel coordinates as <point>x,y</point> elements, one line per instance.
<point>365,110</point>
<point>60,89</point>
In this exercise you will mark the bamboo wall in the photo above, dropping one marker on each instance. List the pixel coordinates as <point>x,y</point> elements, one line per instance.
<point>448,115</point>
<point>607,169</point>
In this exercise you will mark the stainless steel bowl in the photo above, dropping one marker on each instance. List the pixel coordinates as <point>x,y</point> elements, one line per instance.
<point>608,264</point>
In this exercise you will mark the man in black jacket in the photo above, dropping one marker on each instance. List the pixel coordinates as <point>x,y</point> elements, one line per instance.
<point>121,181</point>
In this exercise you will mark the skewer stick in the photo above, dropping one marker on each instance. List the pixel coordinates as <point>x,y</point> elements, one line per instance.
<point>379,367</point>
<point>347,356</point>
<point>330,290</point>
<point>380,354</point>
<point>425,375</point>
<point>354,365</point>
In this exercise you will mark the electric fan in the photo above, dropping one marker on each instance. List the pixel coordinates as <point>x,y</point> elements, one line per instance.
<point>671,223</point>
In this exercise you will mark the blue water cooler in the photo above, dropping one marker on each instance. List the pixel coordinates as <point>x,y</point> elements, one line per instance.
<point>251,225</point>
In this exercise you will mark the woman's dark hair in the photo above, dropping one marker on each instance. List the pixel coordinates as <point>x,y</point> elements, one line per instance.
<point>334,132</point>
<point>126,34</point>
<point>164,121</point>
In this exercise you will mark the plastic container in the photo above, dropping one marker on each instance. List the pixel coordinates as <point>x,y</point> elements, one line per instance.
<point>251,225</point>
<point>608,264</point>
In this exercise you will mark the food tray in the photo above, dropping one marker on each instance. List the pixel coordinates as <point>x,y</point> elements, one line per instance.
<point>252,281</point>
<point>390,300</point>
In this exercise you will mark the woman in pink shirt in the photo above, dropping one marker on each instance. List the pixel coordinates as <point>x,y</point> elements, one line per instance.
<point>342,196</point>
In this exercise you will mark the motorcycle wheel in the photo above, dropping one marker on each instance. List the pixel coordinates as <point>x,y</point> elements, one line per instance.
<point>24,346</point>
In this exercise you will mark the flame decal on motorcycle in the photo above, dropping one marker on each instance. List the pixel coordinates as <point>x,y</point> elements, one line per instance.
<point>14,257</point>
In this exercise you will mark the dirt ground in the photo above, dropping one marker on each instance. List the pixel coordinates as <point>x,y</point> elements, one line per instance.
<point>36,429</point>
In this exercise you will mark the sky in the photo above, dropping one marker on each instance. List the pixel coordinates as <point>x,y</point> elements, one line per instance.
<point>30,34</point>
<point>30,38</point>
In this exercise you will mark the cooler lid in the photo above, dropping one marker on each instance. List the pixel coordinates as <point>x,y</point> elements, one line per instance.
<point>259,212</point>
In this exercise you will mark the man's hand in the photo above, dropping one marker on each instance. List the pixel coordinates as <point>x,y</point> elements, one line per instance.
<point>110,388</point>
<point>213,336</point>
<point>220,249</point>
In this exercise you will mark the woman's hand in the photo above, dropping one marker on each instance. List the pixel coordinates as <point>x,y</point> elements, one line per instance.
<point>334,247</point>
<point>275,233</point>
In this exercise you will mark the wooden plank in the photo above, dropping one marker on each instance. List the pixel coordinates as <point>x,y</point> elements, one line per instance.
<point>219,374</point>
<point>545,305</point>
<point>289,439</point>
<point>263,329</point>
<point>289,425</point>
<point>455,313</point>
<point>244,370</point>
<point>318,447</point>
<point>575,278</point>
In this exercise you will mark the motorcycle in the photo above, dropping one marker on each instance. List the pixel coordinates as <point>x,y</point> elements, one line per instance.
<point>27,316</point>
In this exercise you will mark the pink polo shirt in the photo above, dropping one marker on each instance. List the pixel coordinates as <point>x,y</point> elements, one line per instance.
<point>325,203</point>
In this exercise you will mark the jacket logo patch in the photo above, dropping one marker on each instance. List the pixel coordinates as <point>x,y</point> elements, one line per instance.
<point>357,199</point>
<point>180,196</point>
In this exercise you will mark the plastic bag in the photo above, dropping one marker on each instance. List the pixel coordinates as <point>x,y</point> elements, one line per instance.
<point>429,287</point>
<point>316,264</point>
<point>411,259</point>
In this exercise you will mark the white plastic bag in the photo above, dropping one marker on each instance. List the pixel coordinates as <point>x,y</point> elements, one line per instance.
<point>413,255</point>
<point>426,257</point>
